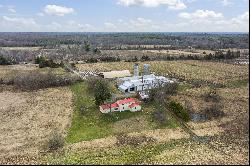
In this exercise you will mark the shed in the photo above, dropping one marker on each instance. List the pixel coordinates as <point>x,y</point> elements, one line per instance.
<point>116,74</point>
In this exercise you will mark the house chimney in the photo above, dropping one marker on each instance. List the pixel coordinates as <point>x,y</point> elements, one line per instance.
<point>136,70</point>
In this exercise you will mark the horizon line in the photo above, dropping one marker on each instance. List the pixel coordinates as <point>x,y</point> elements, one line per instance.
<point>116,32</point>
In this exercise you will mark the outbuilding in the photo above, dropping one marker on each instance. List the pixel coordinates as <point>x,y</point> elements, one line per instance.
<point>115,74</point>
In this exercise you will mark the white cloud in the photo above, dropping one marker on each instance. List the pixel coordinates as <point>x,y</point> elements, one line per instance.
<point>226,2</point>
<point>172,4</point>
<point>18,24</point>
<point>201,21</point>
<point>141,22</point>
<point>244,16</point>
<point>131,25</point>
<point>75,26</point>
<point>21,21</point>
<point>201,14</point>
<point>12,10</point>
<point>40,14</point>
<point>241,19</point>
<point>215,22</point>
<point>57,10</point>
<point>86,27</point>
<point>109,25</point>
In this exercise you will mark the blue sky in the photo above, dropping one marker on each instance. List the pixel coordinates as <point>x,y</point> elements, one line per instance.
<point>124,15</point>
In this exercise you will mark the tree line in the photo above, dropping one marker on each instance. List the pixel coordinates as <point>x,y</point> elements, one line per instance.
<point>117,40</point>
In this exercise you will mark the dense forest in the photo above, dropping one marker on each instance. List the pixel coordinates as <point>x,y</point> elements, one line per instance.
<point>128,40</point>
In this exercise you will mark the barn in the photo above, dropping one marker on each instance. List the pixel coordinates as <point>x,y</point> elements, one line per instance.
<point>115,74</point>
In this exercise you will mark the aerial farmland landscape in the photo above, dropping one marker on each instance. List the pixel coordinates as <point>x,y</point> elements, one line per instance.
<point>133,91</point>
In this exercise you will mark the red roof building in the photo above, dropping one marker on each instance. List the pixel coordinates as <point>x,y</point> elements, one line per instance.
<point>130,104</point>
<point>125,101</point>
<point>134,105</point>
<point>108,106</point>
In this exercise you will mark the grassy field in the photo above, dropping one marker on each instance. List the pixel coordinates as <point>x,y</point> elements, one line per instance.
<point>182,151</point>
<point>207,72</point>
<point>118,155</point>
<point>27,118</point>
<point>10,71</point>
<point>92,124</point>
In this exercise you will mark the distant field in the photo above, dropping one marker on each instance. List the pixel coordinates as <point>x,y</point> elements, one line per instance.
<point>211,72</point>
<point>21,48</point>
<point>156,53</point>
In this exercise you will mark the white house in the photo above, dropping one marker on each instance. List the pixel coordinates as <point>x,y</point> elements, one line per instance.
<point>130,104</point>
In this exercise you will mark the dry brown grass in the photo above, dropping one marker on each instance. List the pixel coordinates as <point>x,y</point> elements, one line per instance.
<point>193,153</point>
<point>212,72</point>
<point>27,118</point>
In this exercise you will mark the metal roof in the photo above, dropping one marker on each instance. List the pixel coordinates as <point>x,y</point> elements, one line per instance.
<point>116,74</point>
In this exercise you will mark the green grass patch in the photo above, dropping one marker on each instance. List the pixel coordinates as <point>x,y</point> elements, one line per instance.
<point>238,83</point>
<point>184,86</point>
<point>92,124</point>
<point>86,126</point>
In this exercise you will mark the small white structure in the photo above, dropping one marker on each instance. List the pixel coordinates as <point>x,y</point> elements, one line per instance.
<point>115,74</point>
<point>144,95</point>
<point>130,104</point>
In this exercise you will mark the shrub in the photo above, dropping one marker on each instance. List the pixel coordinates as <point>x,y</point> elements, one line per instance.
<point>109,59</point>
<point>211,96</point>
<point>135,59</point>
<point>4,61</point>
<point>214,111</point>
<point>179,110</point>
<point>91,60</point>
<point>145,58</point>
<point>55,142</point>
<point>36,80</point>
<point>40,59</point>
<point>160,117</point>
<point>43,62</point>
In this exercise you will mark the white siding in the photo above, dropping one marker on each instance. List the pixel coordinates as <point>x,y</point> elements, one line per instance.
<point>124,107</point>
<point>136,108</point>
